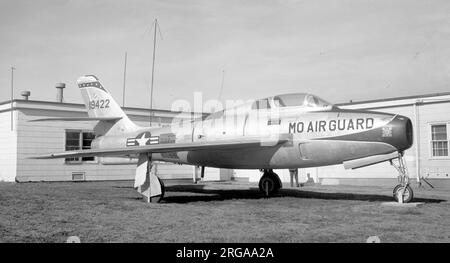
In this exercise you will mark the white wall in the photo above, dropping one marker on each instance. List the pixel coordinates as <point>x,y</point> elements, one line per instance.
<point>8,152</point>
<point>432,167</point>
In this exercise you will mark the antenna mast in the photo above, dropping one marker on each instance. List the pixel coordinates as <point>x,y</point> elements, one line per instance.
<point>124,79</point>
<point>156,26</point>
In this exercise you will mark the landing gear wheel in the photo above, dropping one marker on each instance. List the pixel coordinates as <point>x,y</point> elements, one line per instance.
<point>408,194</point>
<point>158,198</point>
<point>267,185</point>
<point>402,192</point>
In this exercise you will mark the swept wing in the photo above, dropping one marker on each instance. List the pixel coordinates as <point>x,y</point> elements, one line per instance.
<point>170,147</point>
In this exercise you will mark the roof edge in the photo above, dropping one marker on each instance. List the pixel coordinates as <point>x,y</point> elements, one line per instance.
<point>82,105</point>
<point>394,98</point>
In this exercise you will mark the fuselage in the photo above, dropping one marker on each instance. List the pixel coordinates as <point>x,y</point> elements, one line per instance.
<point>318,134</point>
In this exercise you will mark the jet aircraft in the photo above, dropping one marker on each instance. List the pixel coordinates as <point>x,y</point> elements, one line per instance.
<point>281,132</point>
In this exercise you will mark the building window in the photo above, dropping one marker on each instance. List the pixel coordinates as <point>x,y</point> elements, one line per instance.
<point>439,142</point>
<point>87,138</point>
<point>79,140</point>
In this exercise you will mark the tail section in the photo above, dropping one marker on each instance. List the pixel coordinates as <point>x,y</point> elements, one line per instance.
<point>100,104</point>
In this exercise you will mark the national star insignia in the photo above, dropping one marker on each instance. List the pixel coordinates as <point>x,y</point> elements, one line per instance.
<point>142,140</point>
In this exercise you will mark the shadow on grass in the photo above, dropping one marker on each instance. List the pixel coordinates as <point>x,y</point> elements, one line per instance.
<point>205,195</point>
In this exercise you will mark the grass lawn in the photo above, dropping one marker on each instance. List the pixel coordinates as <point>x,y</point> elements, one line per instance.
<point>216,212</point>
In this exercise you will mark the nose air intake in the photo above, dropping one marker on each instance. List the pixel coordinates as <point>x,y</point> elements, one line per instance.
<point>409,132</point>
<point>404,137</point>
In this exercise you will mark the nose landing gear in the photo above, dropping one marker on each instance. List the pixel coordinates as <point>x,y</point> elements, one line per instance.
<point>403,192</point>
<point>270,183</point>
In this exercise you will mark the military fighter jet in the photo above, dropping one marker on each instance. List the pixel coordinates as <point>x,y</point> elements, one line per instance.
<point>280,132</point>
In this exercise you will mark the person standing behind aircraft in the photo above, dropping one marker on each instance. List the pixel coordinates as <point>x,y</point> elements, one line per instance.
<point>294,175</point>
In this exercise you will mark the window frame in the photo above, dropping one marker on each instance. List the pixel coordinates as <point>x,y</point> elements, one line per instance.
<point>256,104</point>
<point>430,140</point>
<point>78,160</point>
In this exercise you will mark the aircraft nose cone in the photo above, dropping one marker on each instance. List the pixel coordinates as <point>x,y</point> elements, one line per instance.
<point>402,132</point>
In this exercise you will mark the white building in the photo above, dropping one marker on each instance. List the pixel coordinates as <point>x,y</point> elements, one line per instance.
<point>428,157</point>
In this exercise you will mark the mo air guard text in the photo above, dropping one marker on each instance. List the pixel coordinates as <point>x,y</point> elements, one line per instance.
<point>331,125</point>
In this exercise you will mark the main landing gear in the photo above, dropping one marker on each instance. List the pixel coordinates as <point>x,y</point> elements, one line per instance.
<point>158,198</point>
<point>150,186</point>
<point>403,192</point>
<point>270,183</point>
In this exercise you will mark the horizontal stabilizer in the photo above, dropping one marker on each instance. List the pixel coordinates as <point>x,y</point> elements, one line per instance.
<point>79,119</point>
<point>228,144</point>
<point>362,162</point>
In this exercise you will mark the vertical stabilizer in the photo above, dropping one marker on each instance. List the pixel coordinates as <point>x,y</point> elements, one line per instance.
<point>100,103</point>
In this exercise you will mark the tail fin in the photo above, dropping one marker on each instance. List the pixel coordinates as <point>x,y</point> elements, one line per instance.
<point>100,104</point>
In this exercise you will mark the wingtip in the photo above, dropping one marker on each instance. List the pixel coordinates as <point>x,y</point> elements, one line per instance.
<point>40,157</point>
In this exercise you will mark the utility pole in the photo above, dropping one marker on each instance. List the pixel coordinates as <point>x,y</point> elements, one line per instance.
<point>12,96</point>
<point>124,79</point>
<point>153,68</point>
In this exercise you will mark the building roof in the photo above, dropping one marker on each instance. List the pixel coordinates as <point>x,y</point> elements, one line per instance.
<point>395,98</point>
<point>77,106</point>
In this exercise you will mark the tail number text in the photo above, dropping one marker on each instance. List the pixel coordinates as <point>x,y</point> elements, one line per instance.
<point>99,104</point>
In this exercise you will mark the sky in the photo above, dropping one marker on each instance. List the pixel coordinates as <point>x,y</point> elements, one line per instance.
<point>338,50</point>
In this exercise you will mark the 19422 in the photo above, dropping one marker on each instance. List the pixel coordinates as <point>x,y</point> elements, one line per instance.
<point>99,104</point>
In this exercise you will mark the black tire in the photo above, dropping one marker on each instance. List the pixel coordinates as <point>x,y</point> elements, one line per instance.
<point>159,198</point>
<point>278,184</point>
<point>408,195</point>
<point>268,185</point>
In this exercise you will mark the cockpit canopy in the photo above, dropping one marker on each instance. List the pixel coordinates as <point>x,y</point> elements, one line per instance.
<point>299,99</point>
<point>292,100</point>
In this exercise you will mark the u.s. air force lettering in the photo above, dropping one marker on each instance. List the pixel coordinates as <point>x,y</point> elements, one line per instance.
<point>331,125</point>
